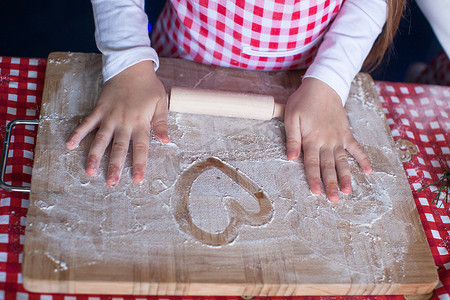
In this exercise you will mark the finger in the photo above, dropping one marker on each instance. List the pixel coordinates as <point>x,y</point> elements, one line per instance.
<point>119,151</point>
<point>312,168</point>
<point>159,122</point>
<point>140,153</point>
<point>328,171</point>
<point>293,136</point>
<point>98,146</point>
<point>89,123</point>
<point>343,170</point>
<point>358,153</point>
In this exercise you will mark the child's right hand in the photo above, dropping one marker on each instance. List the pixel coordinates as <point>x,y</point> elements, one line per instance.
<point>129,105</point>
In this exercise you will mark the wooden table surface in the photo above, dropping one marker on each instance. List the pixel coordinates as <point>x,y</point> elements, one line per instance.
<point>84,237</point>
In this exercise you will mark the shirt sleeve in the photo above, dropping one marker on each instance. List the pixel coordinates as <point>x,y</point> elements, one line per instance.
<point>121,34</point>
<point>437,14</point>
<point>347,43</point>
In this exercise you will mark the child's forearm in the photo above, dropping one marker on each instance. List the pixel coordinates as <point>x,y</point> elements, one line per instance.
<point>122,35</point>
<point>347,44</point>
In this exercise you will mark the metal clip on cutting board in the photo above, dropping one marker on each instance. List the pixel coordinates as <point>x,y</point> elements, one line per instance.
<point>6,142</point>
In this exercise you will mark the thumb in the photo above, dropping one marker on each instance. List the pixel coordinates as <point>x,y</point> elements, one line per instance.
<point>293,136</point>
<point>159,122</point>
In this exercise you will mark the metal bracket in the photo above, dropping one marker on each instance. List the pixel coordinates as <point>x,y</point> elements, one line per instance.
<point>6,142</point>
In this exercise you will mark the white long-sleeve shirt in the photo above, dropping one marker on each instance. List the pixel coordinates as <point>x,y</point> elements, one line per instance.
<point>438,15</point>
<point>122,37</point>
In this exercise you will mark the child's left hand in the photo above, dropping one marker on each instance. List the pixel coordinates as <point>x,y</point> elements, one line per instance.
<point>316,121</point>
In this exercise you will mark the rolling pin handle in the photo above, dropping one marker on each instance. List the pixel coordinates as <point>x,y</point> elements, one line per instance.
<point>6,142</point>
<point>278,110</point>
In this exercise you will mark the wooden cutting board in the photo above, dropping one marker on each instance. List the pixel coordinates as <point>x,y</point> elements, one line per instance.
<point>220,211</point>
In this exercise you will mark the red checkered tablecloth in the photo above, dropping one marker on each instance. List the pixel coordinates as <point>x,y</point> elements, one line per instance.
<point>418,115</point>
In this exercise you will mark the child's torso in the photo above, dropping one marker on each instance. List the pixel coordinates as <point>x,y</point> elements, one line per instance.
<point>255,34</point>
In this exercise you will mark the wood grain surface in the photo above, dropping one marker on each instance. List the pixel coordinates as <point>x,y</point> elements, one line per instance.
<point>220,211</point>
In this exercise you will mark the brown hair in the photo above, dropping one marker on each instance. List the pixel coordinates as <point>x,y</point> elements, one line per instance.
<point>394,15</point>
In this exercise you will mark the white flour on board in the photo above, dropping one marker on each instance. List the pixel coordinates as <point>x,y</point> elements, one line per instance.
<point>128,221</point>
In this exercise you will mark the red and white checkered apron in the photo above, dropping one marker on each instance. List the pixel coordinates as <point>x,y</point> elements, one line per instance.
<point>250,34</point>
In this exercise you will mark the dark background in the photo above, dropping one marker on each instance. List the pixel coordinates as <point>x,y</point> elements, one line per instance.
<point>35,28</point>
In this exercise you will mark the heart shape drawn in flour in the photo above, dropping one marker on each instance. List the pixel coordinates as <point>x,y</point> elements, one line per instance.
<point>238,216</point>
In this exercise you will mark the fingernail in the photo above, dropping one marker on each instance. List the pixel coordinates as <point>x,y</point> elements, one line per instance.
<point>112,179</point>
<point>292,154</point>
<point>138,175</point>
<point>163,139</point>
<point>316,191</point>
<point>91,167</point>
<point>334,196</point>
<point>91,170</point>
<point>70,144</point>
<point>347,189</point>
<point>113,175</point>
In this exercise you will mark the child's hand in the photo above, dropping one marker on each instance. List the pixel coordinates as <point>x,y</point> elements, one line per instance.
<point>315,120</point>
<point>128,105</point>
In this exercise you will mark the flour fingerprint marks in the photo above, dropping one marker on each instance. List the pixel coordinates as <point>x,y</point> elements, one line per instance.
<point>238,216</point>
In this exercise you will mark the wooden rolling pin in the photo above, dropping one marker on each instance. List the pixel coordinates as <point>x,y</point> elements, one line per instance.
<point>226,104</point>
